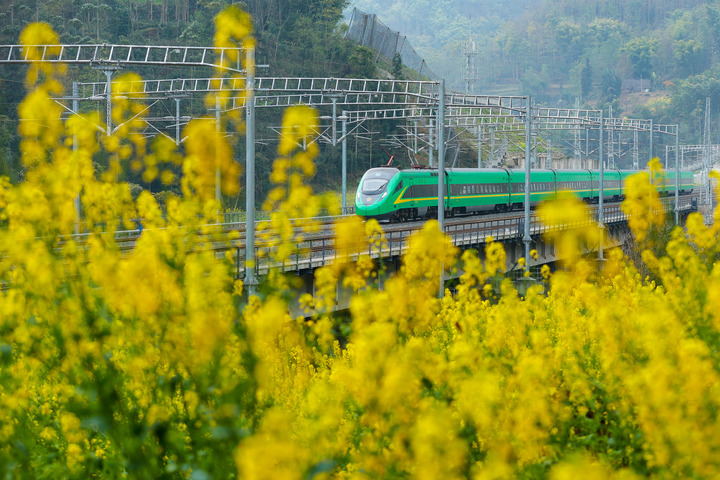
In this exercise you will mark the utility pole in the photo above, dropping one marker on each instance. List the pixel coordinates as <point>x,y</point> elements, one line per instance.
<point>75,107</point>
<point>343,119</point>
<point>441,176</point>
<point>479,144</point>
<point>601,193</point>
<point>677,175</point>
<point>528,139</point>
<point>251,281</point>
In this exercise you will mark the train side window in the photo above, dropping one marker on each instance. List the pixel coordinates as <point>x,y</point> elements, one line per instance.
<point>398,188</point>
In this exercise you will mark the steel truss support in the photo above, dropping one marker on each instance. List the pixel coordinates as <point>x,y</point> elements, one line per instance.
<point>122,55</point>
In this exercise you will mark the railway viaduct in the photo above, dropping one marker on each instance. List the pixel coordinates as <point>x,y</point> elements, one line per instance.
<point>431,116</point>
<point>466,233</point>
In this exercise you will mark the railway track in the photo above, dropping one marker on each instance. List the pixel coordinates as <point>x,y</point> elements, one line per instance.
<point>318,249</point>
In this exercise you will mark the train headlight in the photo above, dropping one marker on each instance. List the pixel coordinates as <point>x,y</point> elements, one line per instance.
<point>383,195</point>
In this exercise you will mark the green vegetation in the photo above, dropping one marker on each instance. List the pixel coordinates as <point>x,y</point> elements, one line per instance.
<point>295,38</point>
<point>157,363</point>
<point>558,50</point>
<point>555,50</point>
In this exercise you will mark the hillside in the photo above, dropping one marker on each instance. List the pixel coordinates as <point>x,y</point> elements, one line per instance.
<point>555,50</point>
<point>560,50</point>
<point>294,38</point>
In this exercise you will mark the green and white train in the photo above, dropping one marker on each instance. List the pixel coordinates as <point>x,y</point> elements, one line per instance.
<point>387,193</point>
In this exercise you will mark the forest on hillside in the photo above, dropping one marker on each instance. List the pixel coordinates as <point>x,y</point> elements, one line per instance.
<point>301,38</point>
<point>560,50</point>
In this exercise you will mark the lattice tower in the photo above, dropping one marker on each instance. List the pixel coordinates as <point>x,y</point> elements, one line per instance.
<point>636,151</point>
<point>470,75</point>
<point>548,156</point>
<point>611,142</point>
<point>503,149</point>
<point>706,195</point>
<point>576,141</point>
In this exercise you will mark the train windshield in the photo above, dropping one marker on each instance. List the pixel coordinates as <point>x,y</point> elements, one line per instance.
<point>371,185</point>
<point>376,180</point>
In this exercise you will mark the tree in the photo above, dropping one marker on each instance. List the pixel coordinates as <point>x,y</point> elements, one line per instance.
<point>586,78</point>
<point>533,83</point>
<point>362,64</point>
<point>397,67</point>
<point>641,51</point>
<point>610,86</point>
<point>690,55</point>
<point>570,39</point>
<point>8,146</point>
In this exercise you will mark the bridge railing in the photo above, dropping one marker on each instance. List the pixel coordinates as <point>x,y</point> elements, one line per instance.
<point>315,252</point>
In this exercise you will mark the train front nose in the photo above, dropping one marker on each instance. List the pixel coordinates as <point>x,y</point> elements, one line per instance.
<point>367,205</point>
<point>372,192</point>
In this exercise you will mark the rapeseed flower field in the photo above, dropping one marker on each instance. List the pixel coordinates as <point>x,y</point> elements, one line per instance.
<point>152,364</point>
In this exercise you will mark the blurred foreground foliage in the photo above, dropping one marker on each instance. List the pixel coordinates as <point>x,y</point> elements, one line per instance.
<point>152,363</point>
